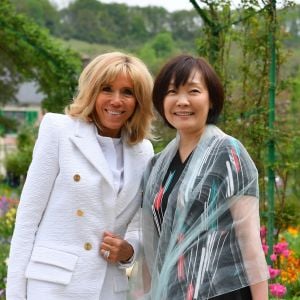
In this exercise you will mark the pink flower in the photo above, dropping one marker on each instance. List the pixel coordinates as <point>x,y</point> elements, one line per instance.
<point>265,248</point>
<point>285,253</point>
<point>280,247</point>
<point>277,290</point>
<point>273,257</point>
<point>263,231</point>
<point>273,272</point>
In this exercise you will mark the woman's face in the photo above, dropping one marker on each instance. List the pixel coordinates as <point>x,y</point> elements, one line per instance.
<point>115,104</point>
<point>186,107</point>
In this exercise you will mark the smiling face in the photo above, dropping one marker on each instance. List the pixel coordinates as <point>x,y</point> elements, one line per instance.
<point>115,104</point>
<point>186,107</point>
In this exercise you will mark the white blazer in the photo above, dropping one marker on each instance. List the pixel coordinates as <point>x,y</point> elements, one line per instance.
<point>68,200</point>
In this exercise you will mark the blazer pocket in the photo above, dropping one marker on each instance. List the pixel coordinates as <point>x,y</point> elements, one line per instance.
<point>51,265</point>
<point>121,284</point>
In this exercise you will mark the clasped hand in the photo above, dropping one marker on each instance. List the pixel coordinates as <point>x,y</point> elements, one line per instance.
<point>115,249</point>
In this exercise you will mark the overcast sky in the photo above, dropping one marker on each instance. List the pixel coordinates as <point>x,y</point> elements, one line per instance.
<point>170,5</point>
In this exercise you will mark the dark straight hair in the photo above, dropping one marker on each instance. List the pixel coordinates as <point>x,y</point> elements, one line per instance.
<point>179,69</point>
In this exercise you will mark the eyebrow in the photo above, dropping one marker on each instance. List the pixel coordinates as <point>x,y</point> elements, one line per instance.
<point>125,87</point>
<point>190,82</point>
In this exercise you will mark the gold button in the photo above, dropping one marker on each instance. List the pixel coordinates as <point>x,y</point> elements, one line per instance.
<point>87,246</point>
<point>76,177</point>
<point>79,213</point>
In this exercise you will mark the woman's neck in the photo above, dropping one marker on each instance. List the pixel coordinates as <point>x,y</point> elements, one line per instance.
<point>187,144</point>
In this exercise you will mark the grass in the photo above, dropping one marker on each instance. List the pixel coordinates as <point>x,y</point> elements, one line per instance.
<point>89,50</point>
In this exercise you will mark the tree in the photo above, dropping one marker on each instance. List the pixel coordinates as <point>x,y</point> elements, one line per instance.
<point>82,20</point>
<point>217,23</point>
<point>9,78</point>
<point>287,164</point>
<point>34,55</point>
<point>157,50</point>
<point>41,12</point>
<point>237,44</point>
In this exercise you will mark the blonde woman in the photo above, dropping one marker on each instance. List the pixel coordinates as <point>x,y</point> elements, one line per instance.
<point>76,227</point>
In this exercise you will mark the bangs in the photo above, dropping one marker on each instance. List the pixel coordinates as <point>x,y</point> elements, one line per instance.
<point>110,74</point>
<point>182,72</point>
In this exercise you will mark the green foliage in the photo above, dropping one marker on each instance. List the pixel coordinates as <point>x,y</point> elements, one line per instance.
<point>163,44</point>
<point>88,50</point>
<point>290,19</point>
<point>41,11</point>
<point>9,78</point>
<point>26,137</point>
<point>17,162</point>
<point>184,25</point>
<point>158,50</point>
<point>130,27</point>
<point>82,22</point>
<point>294,137</point>
<point>4,251</point>
<point>7,124</point>
<point>116,24</point>
<point>8,192</point>
<point>36,56</point>
<point>287,215</point>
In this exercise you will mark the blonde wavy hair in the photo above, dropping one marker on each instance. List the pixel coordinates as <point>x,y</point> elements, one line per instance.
<point>103,70</point>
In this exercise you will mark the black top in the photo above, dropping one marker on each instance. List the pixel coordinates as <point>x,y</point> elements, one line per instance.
<point>161,200</point>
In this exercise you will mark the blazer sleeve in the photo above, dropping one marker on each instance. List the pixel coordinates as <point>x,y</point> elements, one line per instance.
<point>35,195</point>
<point>133,238</point>
<point>133,233</point>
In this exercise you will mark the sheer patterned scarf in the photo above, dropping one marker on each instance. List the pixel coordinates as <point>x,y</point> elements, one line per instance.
<point>209,242</point>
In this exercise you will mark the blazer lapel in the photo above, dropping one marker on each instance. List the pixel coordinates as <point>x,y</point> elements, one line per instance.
<point>133,163</point>
<point>86,141</point>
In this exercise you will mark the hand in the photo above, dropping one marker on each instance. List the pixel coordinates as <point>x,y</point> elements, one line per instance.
<point>119,249</point>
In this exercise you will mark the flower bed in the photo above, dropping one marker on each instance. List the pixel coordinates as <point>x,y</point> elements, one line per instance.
<point>8,207</point>
<point>284,268</point>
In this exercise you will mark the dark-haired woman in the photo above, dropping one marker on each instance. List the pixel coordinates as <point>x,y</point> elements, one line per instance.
<point>200,206</point>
